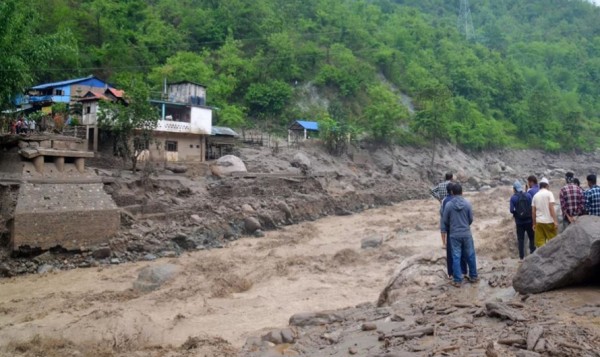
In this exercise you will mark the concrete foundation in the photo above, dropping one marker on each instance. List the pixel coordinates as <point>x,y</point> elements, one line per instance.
<point>73,216</point>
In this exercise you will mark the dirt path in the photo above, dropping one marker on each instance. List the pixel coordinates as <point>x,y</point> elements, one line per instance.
<point>233,293</point>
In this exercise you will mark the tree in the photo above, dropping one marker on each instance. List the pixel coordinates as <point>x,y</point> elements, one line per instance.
<point>432,120</point>
<point>131,124</point>
<point>382,118</point>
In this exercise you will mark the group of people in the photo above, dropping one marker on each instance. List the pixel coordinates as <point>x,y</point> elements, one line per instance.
<point>533,208</point>
<point>22,126</point>
<point>456,217</point>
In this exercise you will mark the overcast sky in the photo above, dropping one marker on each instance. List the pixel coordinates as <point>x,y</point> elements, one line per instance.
<point>597,2</point>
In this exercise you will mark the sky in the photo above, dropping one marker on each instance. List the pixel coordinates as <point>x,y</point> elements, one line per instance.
<point>597,2</point>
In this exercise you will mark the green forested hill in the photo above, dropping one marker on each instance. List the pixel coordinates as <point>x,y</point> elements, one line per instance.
<point>530,78</point>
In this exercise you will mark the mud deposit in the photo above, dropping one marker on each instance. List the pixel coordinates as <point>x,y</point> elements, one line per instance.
<point>219,301</point>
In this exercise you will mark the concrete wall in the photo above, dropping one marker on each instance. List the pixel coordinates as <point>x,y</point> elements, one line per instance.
<point>68,215</point>
<point>190,148</point>
<point>201,120</point>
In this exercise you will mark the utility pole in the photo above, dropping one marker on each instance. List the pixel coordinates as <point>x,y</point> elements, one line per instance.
<point>465,21</point>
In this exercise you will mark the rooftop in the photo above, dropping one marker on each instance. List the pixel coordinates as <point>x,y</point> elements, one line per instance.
<point>64,83</point>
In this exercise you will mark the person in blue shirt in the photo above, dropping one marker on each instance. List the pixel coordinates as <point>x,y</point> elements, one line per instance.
<point>523,220</point>
<point>592,197</point>
<point>449,263</point>
<point>457,220</point>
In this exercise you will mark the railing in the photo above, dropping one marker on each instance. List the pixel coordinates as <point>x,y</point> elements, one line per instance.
<point>173,126</point>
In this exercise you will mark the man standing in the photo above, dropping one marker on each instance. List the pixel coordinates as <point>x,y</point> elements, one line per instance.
<point>520,207</point>
<point>545,223</point>
<point>572,201</point>
<point>592,197</point>
<point>440,191</point>
<point>457,219</point>
<point>532,183</point>
<point>445,243</point>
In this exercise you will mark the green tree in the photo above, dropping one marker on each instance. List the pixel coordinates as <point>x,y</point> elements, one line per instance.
<point>384,115</point>
<point>131,124</point>
<point>433,118</point>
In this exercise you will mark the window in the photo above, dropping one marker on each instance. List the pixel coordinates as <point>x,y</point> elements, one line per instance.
<point>59,92</point>
<point>88,109</point>
<point>171,146</point>
<point>191,146</point>
<point>141,144</point>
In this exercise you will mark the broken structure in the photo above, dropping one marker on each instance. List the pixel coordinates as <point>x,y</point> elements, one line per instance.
<point>59,202</point>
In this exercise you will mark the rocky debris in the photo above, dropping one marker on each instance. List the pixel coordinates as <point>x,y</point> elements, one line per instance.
<point>533,336</point>
<point>196,219</point>
<point>45,268</point>
<point>371,242</point>
<point>246,208</point>
<point>570,258</point>
<point>315,318</point>
<point>251,225</point>
<point>153,277</point>
<point>227,165</point>
<point>285,209</point>
<point>286,335</point>
<point>302,162</point>
<point>414,273</point>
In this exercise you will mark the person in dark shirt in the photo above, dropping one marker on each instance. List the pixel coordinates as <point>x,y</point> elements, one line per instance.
<point>523,222</point>
<point>449,264</point>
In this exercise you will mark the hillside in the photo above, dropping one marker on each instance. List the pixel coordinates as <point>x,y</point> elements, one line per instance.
<point>527,79</point>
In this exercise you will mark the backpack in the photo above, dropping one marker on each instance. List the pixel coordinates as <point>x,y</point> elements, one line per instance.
<point>523,206</point>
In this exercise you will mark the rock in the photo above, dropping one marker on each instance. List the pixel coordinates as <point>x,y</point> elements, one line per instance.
<point>273,336</point>
<point>44,258</point>
<point>315,318</point>
<point>285,209</point>
<point>485,188</point>
<point>45,268</point>
<point>371,242</point>
<point>115,261</point>
<point>414,273</point>
<point>383,160</point>
<point>196,219</point>
<point>259,233</point>
<point>533,335</point>
<point>288,335</point>
<point>301,161</point>
<point>149,257</point>
<point>497,309</point>
<point>369,326</point>
<point>153,277</point>
<point>185,242</point>
<point>352,350</point>
<point>178,201</point>
<point>178,169</point>
<point>227,165</point>
<point>570,258</point>
<point>246,208</point>
<point>251,225</point>
<point>101,253</point>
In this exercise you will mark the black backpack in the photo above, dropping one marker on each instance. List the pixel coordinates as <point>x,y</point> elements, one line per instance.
<point>523,206</point>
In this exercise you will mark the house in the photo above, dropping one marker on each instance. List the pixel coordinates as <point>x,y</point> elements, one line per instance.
<point>69,91</point>
<point>185,123</point>
<point>300,130</point>
<point>221,142</point>
<point>90,103</point>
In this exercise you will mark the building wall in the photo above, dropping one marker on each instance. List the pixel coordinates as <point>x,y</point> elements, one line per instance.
<point>181,93</point>
<point>190,148</point>
<point>91,117</point>
<point>201,120</point>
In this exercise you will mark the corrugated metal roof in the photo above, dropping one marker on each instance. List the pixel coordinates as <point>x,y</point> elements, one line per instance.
<point>181,82</point>
<point>221,130</point>
<point>116,92</point>
<point>64,83</point>
<point>308,125</point>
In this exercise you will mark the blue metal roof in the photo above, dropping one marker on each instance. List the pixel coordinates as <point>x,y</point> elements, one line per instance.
<point>308,125</point>
<point>65,83</point>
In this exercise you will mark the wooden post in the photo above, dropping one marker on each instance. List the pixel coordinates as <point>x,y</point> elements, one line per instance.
<point>304,134</point>
<point>95,148</point>
<point>59,162</point>
<point>80,164</point>
<point>38,163</point>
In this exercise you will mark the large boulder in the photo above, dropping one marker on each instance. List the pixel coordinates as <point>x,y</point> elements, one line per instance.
<point>153,277</point>
<point>227,165</point>
<point>570,258</point>
<point>301,161</point>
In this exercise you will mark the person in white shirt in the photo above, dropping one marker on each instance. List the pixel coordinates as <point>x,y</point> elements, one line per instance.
<point>545,222</point>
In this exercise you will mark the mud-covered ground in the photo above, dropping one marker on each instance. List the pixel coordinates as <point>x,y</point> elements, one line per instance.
<point>220,299</point>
